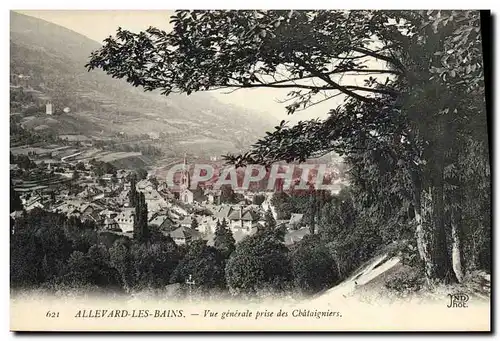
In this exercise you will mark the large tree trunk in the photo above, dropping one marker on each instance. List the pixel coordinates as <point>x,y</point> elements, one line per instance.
<point>430,234</point>
<point>422,236</point>
<point>456,234</point>
<point>457,256</point>
<point>444,270</point>
<point>473,255</point>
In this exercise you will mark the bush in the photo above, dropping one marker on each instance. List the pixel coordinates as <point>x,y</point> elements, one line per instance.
<point>145,265</point>
<point>91,269</point>
<point>205,264</point>
<point>313,266</point>
<point>405,282</point>
<point>352,248</point>
<point>349,233</point>
<point>259,260</point>
<point>39,249</point>
<point>258,199</point>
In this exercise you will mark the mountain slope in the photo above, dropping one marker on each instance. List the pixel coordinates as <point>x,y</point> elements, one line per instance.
<point>47,63</point>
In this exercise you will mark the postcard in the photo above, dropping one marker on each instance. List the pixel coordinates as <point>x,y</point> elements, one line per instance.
<point>250,170</point>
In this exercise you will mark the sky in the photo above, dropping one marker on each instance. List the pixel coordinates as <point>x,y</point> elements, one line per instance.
<point>100,24</point>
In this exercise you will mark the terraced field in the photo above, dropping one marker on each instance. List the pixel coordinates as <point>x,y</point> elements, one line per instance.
<point>39,150</point>
<point>40,182</point>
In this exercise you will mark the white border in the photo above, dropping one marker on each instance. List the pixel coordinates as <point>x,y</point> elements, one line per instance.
<point>187,4</point>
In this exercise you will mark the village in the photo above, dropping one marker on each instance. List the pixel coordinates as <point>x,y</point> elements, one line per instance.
<point>96,192</point>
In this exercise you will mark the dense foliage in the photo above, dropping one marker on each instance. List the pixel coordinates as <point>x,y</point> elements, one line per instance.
<point>223,239</point>
<point>15,200</point>
<point>23,136</point>
<point>313,266</point>
<point>259,261</point>
<point>141,228</point>
<point>258,199</point>
<point>204,264</point>
<point>308,203</point>
<point>101,167</point>
<point>51,251</point>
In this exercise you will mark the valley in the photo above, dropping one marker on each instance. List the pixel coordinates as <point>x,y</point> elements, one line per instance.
<point>91,109</point>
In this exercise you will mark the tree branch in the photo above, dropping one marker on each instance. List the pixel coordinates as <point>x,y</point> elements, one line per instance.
<point>345,89</point>
<point>374,90</point>
<point>279,86</point>
<point>376,55</point>
<point>367,71</point>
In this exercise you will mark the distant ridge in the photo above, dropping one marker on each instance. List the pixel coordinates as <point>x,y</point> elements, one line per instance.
<point>47,62</point>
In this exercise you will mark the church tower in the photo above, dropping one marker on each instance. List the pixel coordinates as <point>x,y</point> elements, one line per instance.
<point>186,195</point>
<point>48,108</point>
<point>185,180</point>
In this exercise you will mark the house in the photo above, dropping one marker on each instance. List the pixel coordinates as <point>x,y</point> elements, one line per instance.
<point>157,219</point>
<point>144,186</point>
<point>111,224</point>
<point>122,175</point>
<point>107,213</point>
<point>177,211</point>
<point>91,217</point>
<point>90,208</point>
<point>207,224</point>
<point>32,204</point>
<point>162,221</point>
<point>294,236</point>
<point>123,197</point>
<point>296,221</point>
<point>238,235</point>
<point>48,108</point>
<point>101,203</point>
<point>154,135</point>
<point>65,208</point>
<point>79,208</point>
<point>162,187</point>
<point>111,190</point>
<point>64,193</point>
<point>126,219</point>
<point>222,212</point>
<point>186,222</point>
<point>239,217</point>
<point>154,200</point>
<point>107,177</point>
<point>184,235</point>
<point>88,192</point>
<point>50,163</point>
<point>28,198</point>
<point>167,225</point>
<point>213,196</point>
<point>17,214</point>
<point>243,218</point>
<point>186,196</point>
<point>98,196</point>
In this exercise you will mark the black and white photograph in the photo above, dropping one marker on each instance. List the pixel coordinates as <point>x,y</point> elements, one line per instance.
<point>262,170</point>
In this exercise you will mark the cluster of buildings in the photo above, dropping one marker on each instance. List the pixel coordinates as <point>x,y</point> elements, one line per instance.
<point>105,201</point>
